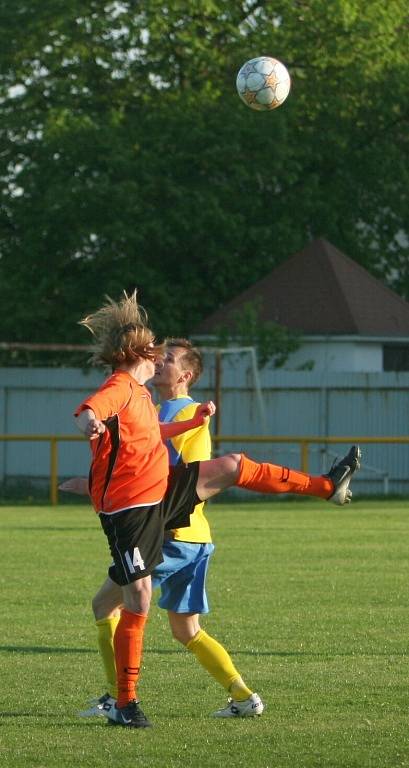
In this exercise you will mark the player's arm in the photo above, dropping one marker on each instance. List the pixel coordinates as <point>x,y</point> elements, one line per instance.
<point>88,424</point>
<point>78,485</point>
<point>107,401</point>
<point>200,417</point>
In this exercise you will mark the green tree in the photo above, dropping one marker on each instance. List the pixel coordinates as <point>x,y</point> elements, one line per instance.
<point>128,160</point>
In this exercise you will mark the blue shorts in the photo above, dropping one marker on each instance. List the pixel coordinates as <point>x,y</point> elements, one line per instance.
<point>182,576</point>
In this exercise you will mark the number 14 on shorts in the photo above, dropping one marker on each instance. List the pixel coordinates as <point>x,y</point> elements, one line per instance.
<point>136,561</point>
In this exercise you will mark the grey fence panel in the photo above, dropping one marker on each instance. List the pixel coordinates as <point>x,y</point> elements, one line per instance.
<point>42,401</point>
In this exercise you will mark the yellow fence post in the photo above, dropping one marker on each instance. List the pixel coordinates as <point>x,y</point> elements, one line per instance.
<point>53,470</point>
<point>304,455</point>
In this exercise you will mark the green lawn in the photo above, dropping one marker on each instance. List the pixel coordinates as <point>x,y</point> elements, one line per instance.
<point>311,600</point>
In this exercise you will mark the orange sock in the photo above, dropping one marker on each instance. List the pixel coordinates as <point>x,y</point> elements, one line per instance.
<point>128,643</point>
<point>273,478</point>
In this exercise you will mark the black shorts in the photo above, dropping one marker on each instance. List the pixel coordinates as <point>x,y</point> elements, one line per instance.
<point>135,536</point>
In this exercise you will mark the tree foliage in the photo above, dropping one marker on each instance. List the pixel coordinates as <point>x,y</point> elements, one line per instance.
<point>128,160</point>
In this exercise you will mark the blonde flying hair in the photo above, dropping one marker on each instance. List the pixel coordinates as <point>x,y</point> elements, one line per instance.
<point>121,334</point>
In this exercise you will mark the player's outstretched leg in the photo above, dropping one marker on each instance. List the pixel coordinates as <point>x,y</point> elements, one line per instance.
<point>237,469</point>
<point>341,473</point>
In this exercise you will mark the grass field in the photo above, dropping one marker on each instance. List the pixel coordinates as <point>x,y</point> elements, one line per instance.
<point>311,600</point>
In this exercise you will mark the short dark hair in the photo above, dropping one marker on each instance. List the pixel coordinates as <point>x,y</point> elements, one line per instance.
<point>191,358</point>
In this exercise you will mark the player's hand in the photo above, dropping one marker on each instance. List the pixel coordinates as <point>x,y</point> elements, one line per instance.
<point>77,485</point>
<point>94,428</point>
<point>204,411</point>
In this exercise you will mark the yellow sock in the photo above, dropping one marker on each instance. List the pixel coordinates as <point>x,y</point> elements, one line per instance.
<point>239,691</point>
<point>106,630</point>
<point>215,659</point>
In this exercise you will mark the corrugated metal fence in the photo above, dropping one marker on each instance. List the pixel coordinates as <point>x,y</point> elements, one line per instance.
<point>41,402</point>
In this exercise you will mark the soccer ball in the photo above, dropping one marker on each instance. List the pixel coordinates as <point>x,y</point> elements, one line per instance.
<point>263,83</point>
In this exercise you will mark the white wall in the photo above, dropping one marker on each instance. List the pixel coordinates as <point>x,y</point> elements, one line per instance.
<point>343,354</point>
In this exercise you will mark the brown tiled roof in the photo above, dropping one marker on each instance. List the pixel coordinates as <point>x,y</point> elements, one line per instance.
<point>321,291</point>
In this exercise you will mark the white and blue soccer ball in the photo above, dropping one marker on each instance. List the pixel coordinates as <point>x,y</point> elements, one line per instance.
<point>263,83</point>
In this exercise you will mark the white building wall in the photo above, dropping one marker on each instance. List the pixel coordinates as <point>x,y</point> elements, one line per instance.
<point>329,354</point>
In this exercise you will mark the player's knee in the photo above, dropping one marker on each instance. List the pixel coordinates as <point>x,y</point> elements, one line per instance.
<point>233,463</point>
<point>137,596</point>
<point>98,608</point>
<point>139,603</point>
<point>105,606</point>
<point>236,458</point>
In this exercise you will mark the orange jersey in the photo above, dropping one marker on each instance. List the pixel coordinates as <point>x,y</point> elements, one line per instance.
<point>130,462</point>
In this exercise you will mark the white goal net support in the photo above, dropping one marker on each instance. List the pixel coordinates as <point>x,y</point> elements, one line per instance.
<point>249,354</point>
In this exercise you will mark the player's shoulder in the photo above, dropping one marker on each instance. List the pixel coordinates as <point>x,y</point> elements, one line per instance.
<point>187,411</point>
<point>119,379</point>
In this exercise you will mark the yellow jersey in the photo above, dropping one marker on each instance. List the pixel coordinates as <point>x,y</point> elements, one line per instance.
<point>194,445</point>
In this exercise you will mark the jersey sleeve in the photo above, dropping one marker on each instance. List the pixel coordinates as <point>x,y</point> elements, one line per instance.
<point>194,445</point>
<point>108,400</point>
